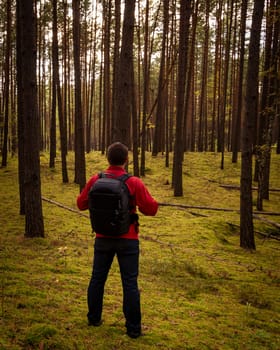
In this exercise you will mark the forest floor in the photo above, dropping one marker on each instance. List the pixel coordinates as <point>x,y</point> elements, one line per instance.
<point>199,289</point>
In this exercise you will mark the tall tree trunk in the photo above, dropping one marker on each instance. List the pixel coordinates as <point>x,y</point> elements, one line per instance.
<point>181,87</point>
<point>80,166</point>
<point>56,85</point>
<point>34,225</point>
<point>135,142</point>
<point>170,90</point>
<point>53,126</point>
<point>239,101</point>
<point>121,129</point>
<point>90,120</point>
<point>269,101</point>
<point>116,62</point>
<point>20,121</point>
<point>7,84</point>
<point>158,144</point>
<point>41,25</point>
<point>189,120</point>
<point>14,143</point>
<point>100,138</point>
<point>217,78</point>
<point>202,129</point>
<point>146,84</point>
<point>54,92</point>
<point>106,74</point>
<point>225,82</point>
<point>249,124</point>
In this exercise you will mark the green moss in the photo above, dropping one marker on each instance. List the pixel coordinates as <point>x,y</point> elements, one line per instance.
<point>39,334</point>
<point>199,289</point>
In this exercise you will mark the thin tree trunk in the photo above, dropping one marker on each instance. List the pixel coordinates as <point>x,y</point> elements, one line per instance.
<point>106,74</point>
<point>80,173</point>
<point>249,124</point>
<point>53,127</point>
<point>56,85</point>
<point>146,83</point>
<point>158,144</point>
<point>269,101</point>
<point>135,142</point>
<point>189,119</point>
<point>202,130</point>
<point>239,100</point>
<point>7,84</point>
<point>116,62</point>
<point>216,87</point>
<point>65,107</point>
<point>90,121</point>
<point>20,121</point>
<point>181,86</point>
<point>225,81</point>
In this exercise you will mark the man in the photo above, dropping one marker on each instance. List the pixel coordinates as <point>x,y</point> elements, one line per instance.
<point>125,246</point>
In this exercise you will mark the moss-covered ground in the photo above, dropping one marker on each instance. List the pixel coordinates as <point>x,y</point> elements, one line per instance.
<point>199,289</point>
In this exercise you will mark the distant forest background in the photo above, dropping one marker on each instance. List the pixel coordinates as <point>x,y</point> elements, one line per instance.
<point>165,76</point>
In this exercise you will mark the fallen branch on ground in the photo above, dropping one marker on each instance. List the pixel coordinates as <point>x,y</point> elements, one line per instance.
<point>236,187</point>
<point>175,205</point>
<point>184,206</point>
<point>273,223</point>
<point>152,239</point>
<point>265,235</point>
<point>64,207</point>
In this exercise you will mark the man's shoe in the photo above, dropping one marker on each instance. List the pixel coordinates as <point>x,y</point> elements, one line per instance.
<point>95,324</point>
<point>134,334</point>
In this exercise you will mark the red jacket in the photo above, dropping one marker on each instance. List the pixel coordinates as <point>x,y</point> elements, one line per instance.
<point>146,204</point>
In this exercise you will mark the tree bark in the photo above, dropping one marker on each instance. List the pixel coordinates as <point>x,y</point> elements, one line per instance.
<point>116,62</point>
<point>249,124</point>
<point>181,86</point>
<point>34,225</point>
<point>56,85</point>
<point>146,84</point>
<point>239,100</point>
<point>7,84</point>
<point>225,82</point>
<point>202,115</point>
<point>121,130</point>
<point>158,144</point>
<point>20,121</point>
<point>80,172</point>
<point>106,75</point>
<point>269,102</point>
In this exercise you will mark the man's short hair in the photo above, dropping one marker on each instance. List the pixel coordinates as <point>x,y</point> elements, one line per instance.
<point>117,153</point>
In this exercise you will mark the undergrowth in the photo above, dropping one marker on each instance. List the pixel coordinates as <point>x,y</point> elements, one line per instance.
<point>199,289</point>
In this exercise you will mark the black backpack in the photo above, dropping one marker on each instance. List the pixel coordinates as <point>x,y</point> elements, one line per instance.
<point>109,205</point>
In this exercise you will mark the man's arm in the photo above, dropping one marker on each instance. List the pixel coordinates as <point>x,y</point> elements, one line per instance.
<point>146,204</point>
<point>82,199</point>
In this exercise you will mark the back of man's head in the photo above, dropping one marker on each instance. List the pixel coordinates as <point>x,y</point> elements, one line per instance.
<point>117,154</point>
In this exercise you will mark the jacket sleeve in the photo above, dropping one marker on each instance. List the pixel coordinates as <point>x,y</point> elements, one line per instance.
<point>82,199</point>
<point>146,204</point>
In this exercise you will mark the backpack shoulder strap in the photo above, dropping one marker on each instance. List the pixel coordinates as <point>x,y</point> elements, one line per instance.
<point>124,177</point>
<point>121,178</point>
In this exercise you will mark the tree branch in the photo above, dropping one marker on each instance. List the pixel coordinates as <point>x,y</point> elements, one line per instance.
<point>236,187</point>
<point>64,206</point>
<point>185,206</point>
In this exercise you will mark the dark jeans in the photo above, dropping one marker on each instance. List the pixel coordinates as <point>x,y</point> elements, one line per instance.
<point>127,251</point>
